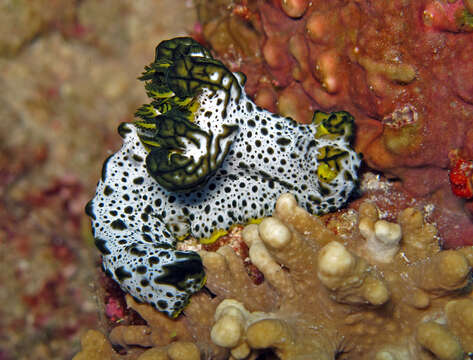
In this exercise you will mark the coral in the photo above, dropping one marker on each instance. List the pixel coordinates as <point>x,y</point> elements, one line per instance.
<point>324,295</point>
<point>200,157</point>
<point>401,68</point>
<point>345,279</point>
<point>94,346</point>
<point>439,340</point>
<point>460,321</point>
<point>382,237</point>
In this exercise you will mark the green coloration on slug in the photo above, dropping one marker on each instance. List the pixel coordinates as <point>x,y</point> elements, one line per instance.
<point>200,157</point>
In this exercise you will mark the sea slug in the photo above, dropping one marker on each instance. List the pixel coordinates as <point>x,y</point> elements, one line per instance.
<point>200,157</point>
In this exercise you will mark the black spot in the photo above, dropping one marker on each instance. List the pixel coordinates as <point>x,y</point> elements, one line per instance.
<point>162,304</point>
<point>162,245</point>
<point>164,254</point>
<point>242,165</point>
<point>144,283</point>
<point>141,269</point>
<point>249,108</point>
<point>348,176</point>
<point>137,158</point>
<point>123,129</point>
<point>153,260</point>
<point>324,191</point>
<point>128,209</point>
<point>147,238</point>
<point>107,190</point>
<point>118,225</point>
<point>137,252</point>
<point>138,180</point>
<point>101,245</point>
<point>89,211</point>
<point>315,199</point>
<point>122,274</point>
<point>283,141</point>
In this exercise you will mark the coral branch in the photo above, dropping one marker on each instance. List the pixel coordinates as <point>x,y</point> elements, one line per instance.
<point>444,272</point>
<point>382,237</point>
<point>349,277</point>
<point>95,346</point>
<point>439,340</point>
<point>228,277</point>
<point>262,259</point>
<point>460,321</point>
<point>301,221</point>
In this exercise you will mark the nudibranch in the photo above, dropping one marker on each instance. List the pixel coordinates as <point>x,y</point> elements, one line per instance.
<point>202,156</point>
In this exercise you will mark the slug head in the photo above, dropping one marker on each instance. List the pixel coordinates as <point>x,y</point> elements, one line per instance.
<point>182,155</point>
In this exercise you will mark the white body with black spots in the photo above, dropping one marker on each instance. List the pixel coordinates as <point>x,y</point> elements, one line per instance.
<point>242,159</point>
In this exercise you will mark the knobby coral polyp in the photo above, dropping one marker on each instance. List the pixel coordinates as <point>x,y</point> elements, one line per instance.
<point>200,157</point>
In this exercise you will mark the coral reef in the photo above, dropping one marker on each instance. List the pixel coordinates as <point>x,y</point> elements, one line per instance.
<point>67,71</point>
<point>324,295</point>
<point>401,68</point>
<point>200,157</point>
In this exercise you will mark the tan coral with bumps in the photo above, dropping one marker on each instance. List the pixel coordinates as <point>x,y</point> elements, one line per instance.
<point>324,295</point>
<point>382,237</point>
